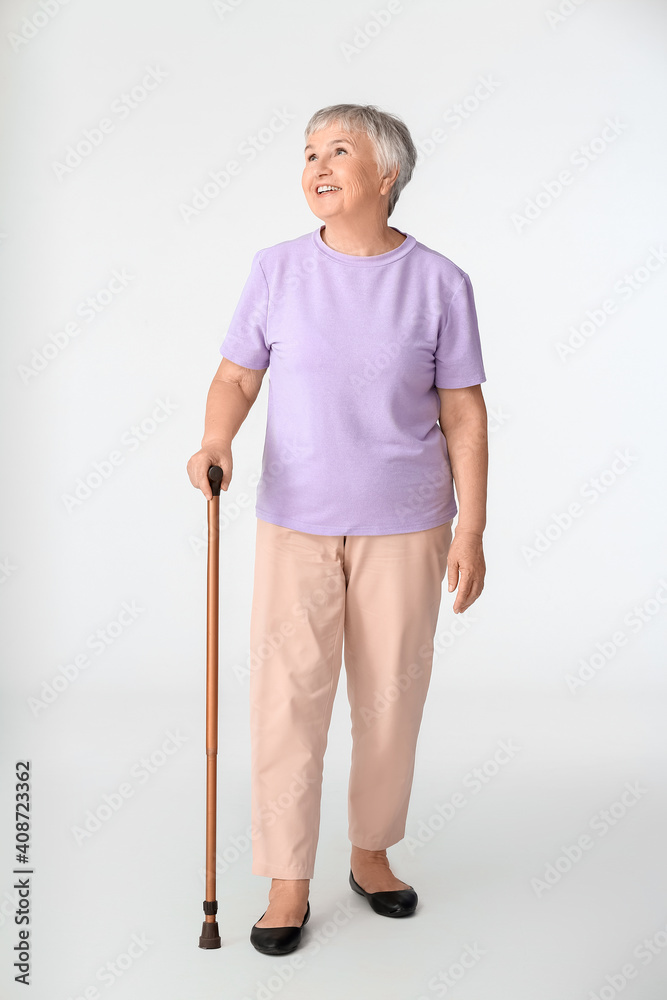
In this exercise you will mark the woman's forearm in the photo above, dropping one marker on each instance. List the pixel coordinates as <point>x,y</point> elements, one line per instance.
<point>467,445</point>
<point>227,406</point>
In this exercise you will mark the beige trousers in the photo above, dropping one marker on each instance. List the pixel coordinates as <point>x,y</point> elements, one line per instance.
<point>381,594</point>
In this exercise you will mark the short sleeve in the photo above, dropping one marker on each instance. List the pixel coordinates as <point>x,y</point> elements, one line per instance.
<point>245,342</point>
<point>458,353</point>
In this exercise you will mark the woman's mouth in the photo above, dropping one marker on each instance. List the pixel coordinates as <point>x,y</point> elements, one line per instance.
<point>324,189</point>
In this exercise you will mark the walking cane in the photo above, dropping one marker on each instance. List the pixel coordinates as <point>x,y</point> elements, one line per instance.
<point>210,935</point>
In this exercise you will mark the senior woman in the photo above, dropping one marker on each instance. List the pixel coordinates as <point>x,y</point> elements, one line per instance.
<point>375,410</point>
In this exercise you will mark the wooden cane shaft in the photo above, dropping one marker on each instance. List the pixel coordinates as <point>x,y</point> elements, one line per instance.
<point>211,693</point>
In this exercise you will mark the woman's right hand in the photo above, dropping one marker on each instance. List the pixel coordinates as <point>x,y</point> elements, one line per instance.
<point>201,462</point>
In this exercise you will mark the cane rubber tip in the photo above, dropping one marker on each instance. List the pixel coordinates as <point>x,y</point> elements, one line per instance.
<point>210,935</point>
<point>215,478</point>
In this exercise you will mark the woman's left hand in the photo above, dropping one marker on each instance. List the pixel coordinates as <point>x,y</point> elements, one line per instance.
<point>466,557</point>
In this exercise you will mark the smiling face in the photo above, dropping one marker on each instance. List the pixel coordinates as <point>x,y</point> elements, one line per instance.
<point>343,160</point>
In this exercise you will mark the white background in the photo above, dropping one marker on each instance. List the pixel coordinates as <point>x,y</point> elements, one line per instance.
<point>556,424</point>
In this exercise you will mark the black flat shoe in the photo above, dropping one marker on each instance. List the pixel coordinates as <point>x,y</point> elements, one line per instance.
<point>278,940</point>
<point>390,903</point>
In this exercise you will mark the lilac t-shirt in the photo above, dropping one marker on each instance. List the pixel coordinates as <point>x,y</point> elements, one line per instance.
<point>355,347</point>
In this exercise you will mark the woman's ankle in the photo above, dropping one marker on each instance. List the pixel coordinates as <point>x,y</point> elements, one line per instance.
<point>290,884</point>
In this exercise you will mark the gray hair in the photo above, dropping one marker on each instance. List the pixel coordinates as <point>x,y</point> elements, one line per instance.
<point>388,133</point>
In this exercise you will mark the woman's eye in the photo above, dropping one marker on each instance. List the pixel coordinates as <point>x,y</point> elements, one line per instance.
<point>339,150</point>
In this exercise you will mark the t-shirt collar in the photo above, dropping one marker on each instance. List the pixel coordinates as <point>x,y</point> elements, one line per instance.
<point>357,261</point>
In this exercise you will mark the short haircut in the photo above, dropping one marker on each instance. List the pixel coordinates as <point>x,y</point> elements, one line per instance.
<point>388,133</point>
